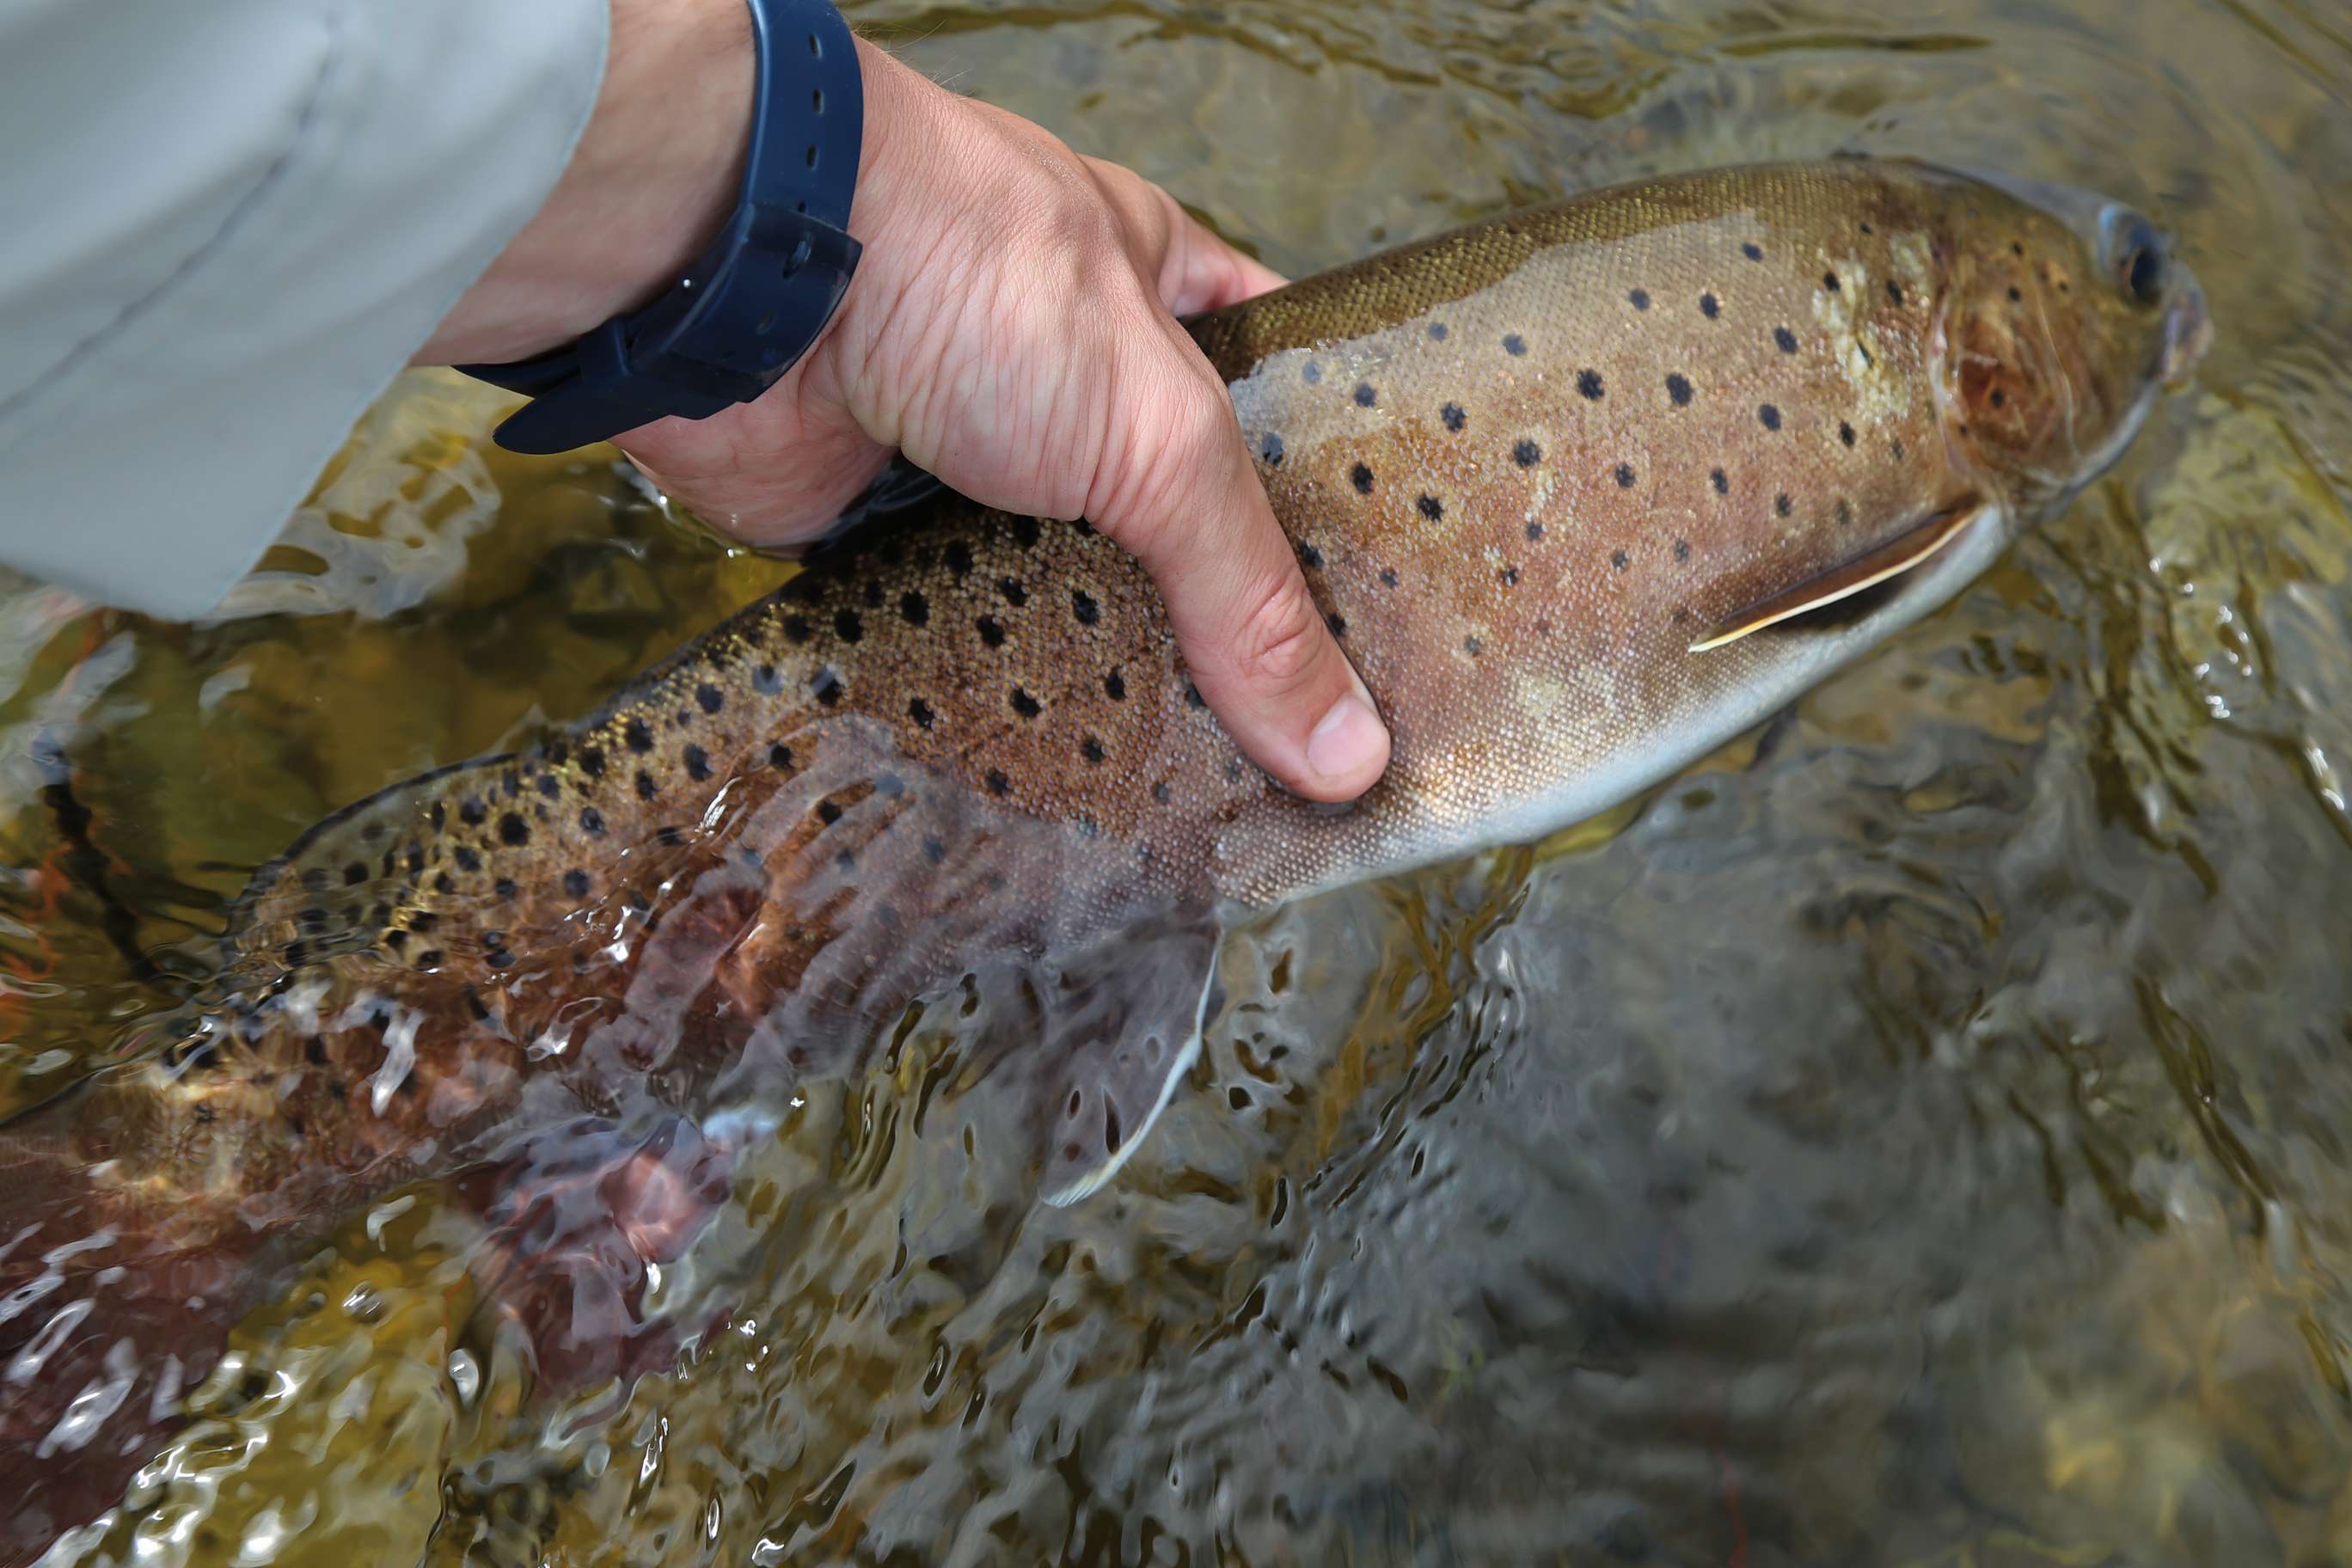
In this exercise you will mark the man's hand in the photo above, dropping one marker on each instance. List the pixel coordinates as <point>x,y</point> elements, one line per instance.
<point>1011,328</point>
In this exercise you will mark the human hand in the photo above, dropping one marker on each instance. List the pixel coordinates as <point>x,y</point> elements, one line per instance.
<point>1013,329</point>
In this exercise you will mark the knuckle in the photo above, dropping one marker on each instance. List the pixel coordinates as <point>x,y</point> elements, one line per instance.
<point>1280,643</point>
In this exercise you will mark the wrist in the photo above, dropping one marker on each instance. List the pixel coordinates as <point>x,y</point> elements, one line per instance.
<point>655,174</point>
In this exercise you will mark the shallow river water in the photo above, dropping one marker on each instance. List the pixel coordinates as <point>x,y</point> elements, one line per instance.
<point>1918,1135</point>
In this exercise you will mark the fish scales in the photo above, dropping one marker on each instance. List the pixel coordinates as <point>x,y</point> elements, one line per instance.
<point>1527,468</point>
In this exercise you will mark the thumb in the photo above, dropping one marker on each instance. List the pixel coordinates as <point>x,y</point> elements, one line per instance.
<point>1257,646</point>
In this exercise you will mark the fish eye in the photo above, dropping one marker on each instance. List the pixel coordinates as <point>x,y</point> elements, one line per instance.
<point>2139,260</point>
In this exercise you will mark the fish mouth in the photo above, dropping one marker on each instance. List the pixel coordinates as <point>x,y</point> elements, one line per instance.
<point>2188,329</point>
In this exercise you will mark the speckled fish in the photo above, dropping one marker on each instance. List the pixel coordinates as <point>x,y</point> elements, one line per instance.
<point>1584,492</point>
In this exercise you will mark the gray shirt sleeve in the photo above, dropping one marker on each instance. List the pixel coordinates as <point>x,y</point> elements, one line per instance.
<point>229,225</point>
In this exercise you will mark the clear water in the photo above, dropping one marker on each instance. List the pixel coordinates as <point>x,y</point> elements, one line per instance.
<point>1914,1137</point>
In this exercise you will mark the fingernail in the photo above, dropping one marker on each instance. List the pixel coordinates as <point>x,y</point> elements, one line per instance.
<point>1348,738</point>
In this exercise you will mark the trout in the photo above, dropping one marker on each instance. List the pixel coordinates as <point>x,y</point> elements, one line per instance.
<point>1584,492</point>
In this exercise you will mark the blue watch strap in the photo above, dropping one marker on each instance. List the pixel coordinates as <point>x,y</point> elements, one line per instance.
<point>765,287</point>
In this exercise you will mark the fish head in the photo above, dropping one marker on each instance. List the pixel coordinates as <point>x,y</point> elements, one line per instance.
<point>2066,314</point>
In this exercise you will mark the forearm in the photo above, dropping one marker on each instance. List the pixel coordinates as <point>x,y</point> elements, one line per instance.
<point>654,175</point>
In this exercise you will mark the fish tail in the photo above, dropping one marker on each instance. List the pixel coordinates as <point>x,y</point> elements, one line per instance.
<point>105,1323</point>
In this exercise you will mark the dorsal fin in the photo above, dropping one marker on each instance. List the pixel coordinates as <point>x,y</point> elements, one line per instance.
<point>1897,556</point>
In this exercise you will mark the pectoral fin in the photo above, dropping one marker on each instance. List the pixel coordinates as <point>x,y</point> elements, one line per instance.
<point>1897,556</point>
<point>1122,1025</point>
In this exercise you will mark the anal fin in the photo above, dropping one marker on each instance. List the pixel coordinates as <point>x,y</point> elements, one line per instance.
<point>1897,556</point>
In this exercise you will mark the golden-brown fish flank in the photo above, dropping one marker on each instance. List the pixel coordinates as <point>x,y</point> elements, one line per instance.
<point>1528,467</point>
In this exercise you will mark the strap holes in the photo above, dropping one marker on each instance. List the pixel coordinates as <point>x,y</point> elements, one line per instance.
<point>800,208</point>
<point>816,99</point>
<point>812,155</point>
<point>815,48</point>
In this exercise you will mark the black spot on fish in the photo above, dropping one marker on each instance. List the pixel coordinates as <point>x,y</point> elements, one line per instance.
<point>1830,281</point>
<point>647,787</point>
<point>1365,395</point>
<point>1270,449</point>
<point>639,738</point>
<point>429,959</point>
<point>779,756</point>
<point>355,874</point>
<point>847,626</point>
<point>1510,577</point>
<point>395,939</point>
<point>294,953</point>
<point>1083,606</point>
<point>1092,751</point>
<point>827,812</point>
<point>1894,292</point>
<point>505,888</point>
<point>1388,578</point>
<point>2015,296</point>
<point>437,816</point>
<point>592,761</point>
<point>1534,532</point>
<point>591,822</point>
<point>710,698</point>
<point>1360,476</point>
<point>1473,647</point>
<point>1115,687</point>
<point>1785,340</point>
<point>796,629</point>
<point>1753,251</point>
<point>1028,707</point>
<point>697,762</point>
<point>1193,697</point>
<point>958,556</point>
<point>1014,593</point>
<point>1620,560</point>
<point>1682,549</point>
<point>1844,510</point>
<point>998,784</point>
<point>1310,557</point>
<point>991,632</point>
<point>1845,432</point>
<point>472,812</point>
<point>1453,417</point>
<point>550,785</point>
<point>1588,384</point>
<point>1431,507</point>
<point>914,609</point>
<point>1160,791</point>
<point>416,861</point>
<point>1898,449</point>
<point>1526,454</point>
<point>1640,298</point>
<point>1781,503</point>
<point>1513,344</point>
<point>846,858</point>
<point>1770,416</point>
<point>1720,481</point>
<point>513,830</point>
<point>1338,623</point>
<point>575,883</point>
<point>1310,372</point>
<point>1678,389</point>
<point>1998,398</point>
<point>934,851</point>
<point>1709,306</point>
<point>467,860</point>
<point>1625,475</point>
<point>920,713</point>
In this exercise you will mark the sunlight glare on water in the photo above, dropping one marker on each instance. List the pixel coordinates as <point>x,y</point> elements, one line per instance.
<point>1914,1136</point>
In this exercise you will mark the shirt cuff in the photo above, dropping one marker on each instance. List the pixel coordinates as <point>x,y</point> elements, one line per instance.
<point>237,221</point>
